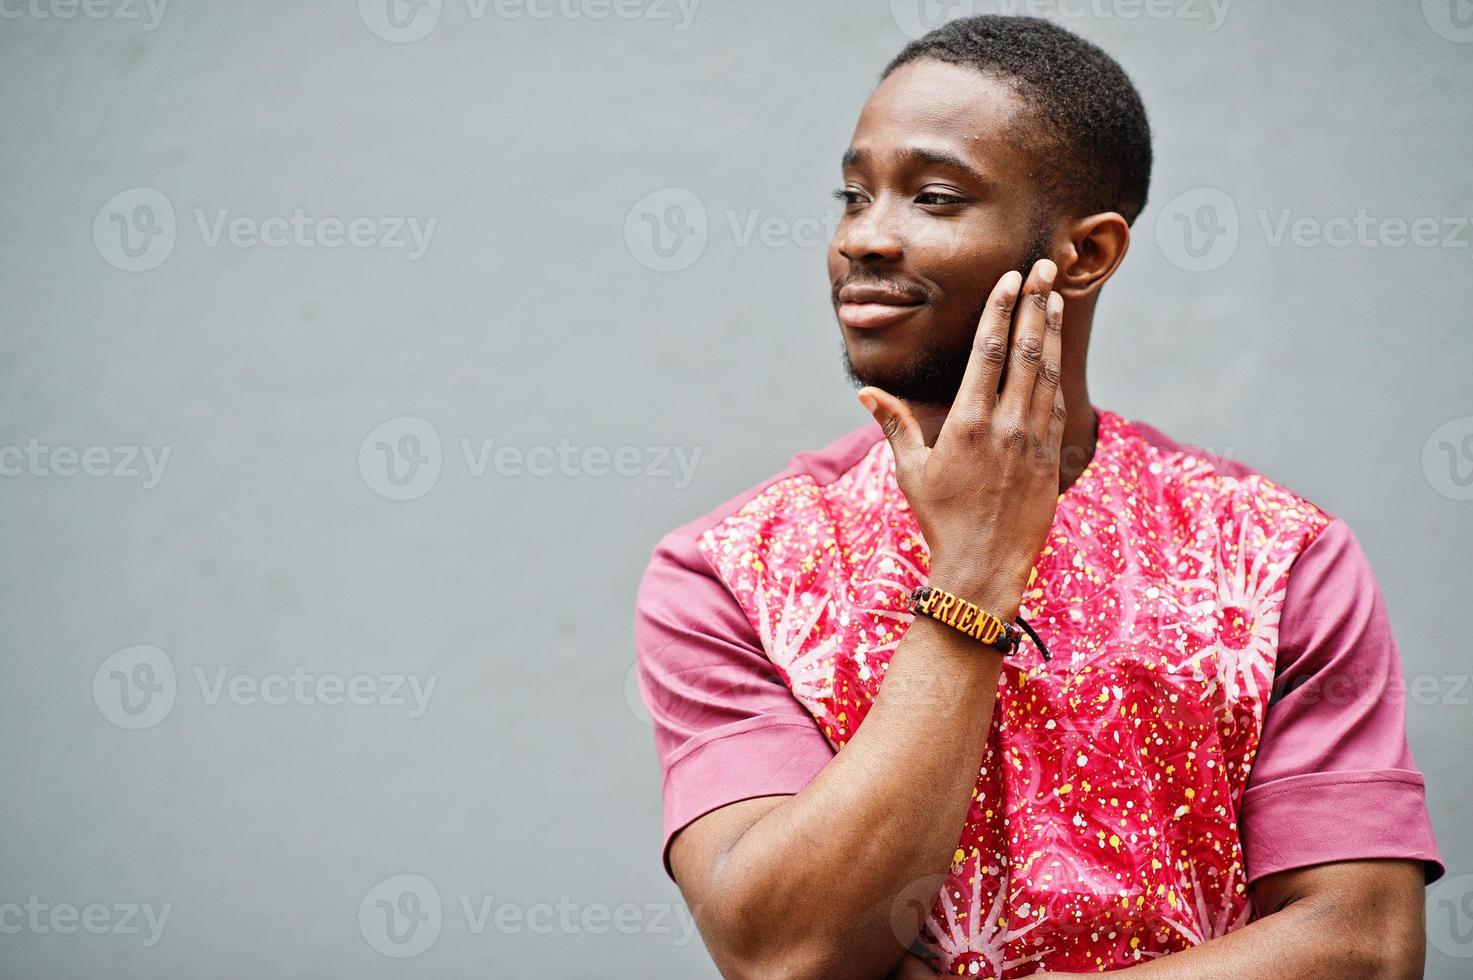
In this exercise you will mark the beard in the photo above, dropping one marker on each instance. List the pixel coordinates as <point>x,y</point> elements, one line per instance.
<point>933,374</point>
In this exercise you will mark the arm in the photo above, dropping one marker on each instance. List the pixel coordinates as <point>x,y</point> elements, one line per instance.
<point>1351,919</point>
<point>806,885</point>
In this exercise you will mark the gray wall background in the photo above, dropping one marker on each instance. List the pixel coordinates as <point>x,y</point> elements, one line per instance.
<point>542,314</point>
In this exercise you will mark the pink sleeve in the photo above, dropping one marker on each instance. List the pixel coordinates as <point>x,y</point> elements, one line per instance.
<point>1334,778</point>
<point>726,727</point>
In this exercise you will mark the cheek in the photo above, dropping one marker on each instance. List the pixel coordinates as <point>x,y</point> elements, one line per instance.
<point>966,259</point>
<point>945,244</point>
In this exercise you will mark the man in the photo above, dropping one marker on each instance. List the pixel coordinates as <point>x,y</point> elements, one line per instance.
<point>1208,776</point>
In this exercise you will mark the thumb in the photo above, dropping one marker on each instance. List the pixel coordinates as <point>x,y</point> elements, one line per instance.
<point>901,429</point>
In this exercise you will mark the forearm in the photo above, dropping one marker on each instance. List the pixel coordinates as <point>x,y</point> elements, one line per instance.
<point>1306,940</point>
<point>815,881</point>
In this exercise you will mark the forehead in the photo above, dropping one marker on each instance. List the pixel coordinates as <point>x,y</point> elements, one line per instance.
<point>935,104</point>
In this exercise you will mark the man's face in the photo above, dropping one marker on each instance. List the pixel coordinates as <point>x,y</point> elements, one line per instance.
<point>940,203</point>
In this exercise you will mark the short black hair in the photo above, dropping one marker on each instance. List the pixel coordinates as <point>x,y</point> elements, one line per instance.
<point>1096,141</point>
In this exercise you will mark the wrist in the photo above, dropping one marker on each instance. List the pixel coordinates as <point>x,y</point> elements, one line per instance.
<point>991,593</point>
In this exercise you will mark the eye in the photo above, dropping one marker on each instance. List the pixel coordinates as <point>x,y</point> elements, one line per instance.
<point>850,198</point>
<point>938,198</point>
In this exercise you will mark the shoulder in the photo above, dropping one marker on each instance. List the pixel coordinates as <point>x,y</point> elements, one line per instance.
<point>1231,493</point>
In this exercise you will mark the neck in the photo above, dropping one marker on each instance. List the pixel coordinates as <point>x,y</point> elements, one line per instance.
<point>1081,430</point>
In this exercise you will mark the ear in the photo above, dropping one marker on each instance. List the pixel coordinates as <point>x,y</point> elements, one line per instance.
<point>1093,249</point>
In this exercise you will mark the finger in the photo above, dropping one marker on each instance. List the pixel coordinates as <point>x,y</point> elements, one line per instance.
<point>1050,366</point>
<point>900,426</point>
<point>978,393</point>
<point>1026,350</point>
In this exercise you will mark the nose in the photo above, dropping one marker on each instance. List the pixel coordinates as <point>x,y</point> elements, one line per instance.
<point>869,237</point>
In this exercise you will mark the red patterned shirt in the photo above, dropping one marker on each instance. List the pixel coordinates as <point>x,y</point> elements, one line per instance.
<point>1224,699</point>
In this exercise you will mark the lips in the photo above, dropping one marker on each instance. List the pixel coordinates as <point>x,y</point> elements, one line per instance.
<point>866,307</point>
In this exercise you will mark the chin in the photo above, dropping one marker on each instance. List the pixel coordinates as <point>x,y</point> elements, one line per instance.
<point>912,368</point>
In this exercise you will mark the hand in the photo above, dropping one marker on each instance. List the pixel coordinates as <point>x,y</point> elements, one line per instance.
<point>985,495</point>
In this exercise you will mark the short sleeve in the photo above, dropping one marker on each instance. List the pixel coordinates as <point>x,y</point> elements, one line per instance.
<point>1334,778</point>
<point>726,727</point>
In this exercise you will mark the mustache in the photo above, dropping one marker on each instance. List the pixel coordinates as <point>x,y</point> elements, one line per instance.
<point>913,289</point>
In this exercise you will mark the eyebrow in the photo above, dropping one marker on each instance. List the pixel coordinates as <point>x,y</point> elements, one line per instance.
<point>921,155</point>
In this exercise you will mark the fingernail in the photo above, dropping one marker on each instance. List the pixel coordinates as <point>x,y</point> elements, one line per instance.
<point>869,403</point>
<point>1055,305</point>
<point>1046,271</point>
